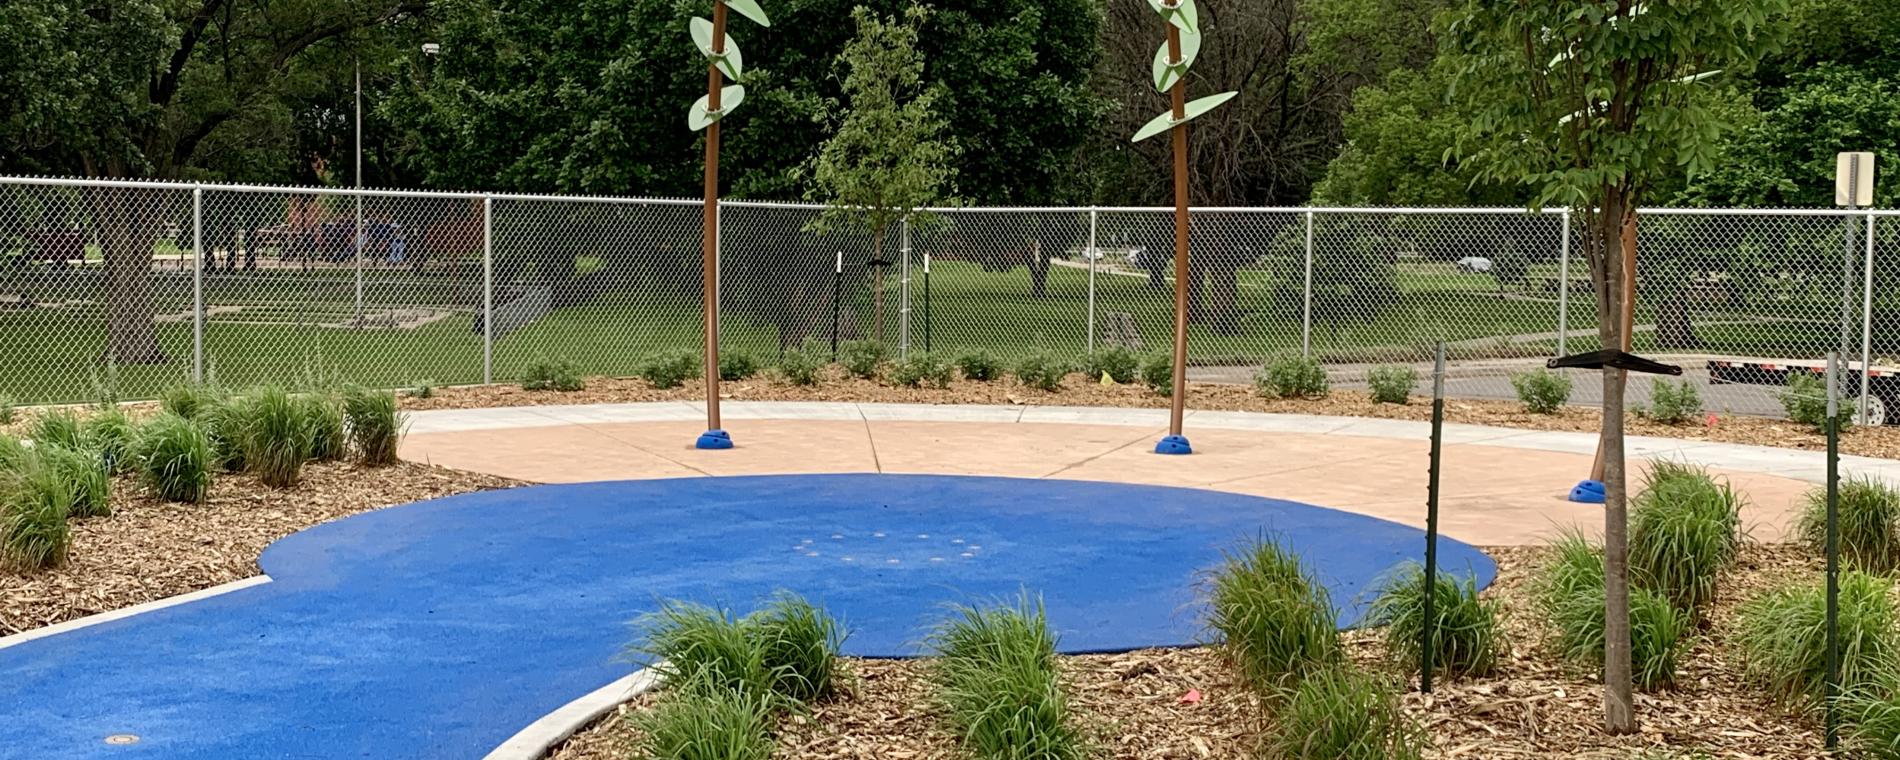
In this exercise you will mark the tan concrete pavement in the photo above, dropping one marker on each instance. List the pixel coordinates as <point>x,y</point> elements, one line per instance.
<point>1492,494</point>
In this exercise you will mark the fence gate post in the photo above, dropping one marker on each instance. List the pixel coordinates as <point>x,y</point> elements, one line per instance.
<point>198,284</point>
<point>1306,307</point>
<point>1563,288</point>
<point>1091,253</point>
<point>488,289</point>
<point>903,289</point>
<point>1867,320</point>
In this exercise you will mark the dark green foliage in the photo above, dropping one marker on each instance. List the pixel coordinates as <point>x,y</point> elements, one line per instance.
<point>670,369</point>
<point>1569,592</point>
<point>1541,390</point>
<point>737,365</point>
<point>919,368</point>
<point>276,436</point>
<point>8,410</point>
<point>786,652</point>
<point>1001,693</point>
<point>176,457</point>
<point>323,417</point>
<point>1673,403</point>
<point>1466,640</point>
<point>800,645</point>
<point>701,719</point>
<point>801,366</point>
<point>110,432</point>
<point>420,389</point>
<point>1041,370</point>
<point>978,365</point>
<point>1871,717</point>
<point>1119,364</point>
<point>223,424</point>
<point>1684,531</point>
<point>58,427</point>
<point>1343,713</point>
<point>1868,518</point>
<point>1783,639</point>
<point>1274,623</point>
<point>35,500</point>
<point>1391,384</point>
<point>863,358</point>
<point>552,374</point>
<point>1805,401</point>
<point>84,471</point>
<point>1157,372</point>
<point>188,399</point>
<point>1292,377</point>
<point>375,425</point>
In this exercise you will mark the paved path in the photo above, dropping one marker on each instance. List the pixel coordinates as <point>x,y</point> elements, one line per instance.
<point>1501,486</point>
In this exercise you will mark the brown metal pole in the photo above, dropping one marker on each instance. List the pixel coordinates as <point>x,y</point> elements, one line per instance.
<point>710,247</point>
<point>1178,94</point>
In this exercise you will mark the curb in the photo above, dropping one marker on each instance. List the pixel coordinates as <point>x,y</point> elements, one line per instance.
<point>126,612</point>
<point>533,742</point>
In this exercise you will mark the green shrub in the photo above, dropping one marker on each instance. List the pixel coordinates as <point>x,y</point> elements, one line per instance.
<point>223,424</point>
<point>1783,637</point>
<point>685,641</point>
<point>8,410</point>
<point>1805,401</point>
<point>1466,637</point>
<point>1292,377</point>
<point>1673,403</point>
<point>670,369</point>
<point>110,432</point>
<point>1002,695</point>
<point>702,720</point>
<point>1684,531</point>
<point>323,417</point>
<point>176,457</point>
<point>188,399</point>
<point>978,365</point>
<point>420,389</point>
<point>375,425</point>
<point>35,500</point>
<point>1274,623</point>
<point>1342,713</point>
<point>13,453</point>
<point>58,427</point>
<point>1157,372</point>
<point>737,365</point>
<point>918,368</point>
<point>802,365</point>
<point>1871,718</point>
<point>1570,594</point>
<point>800,645</point>
<point>84,471</point>
<point>1391,384</point>
<point>1541,390</point>
<point>1868,519</point>
<point>1041,370</point>
<point>1119,364</point>
<point>545,374</point>
<point>276,436</point>
<point>863,358</point>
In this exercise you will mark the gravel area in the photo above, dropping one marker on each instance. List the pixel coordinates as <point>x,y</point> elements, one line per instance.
<point>149,549</point>
<point>1533,707</point>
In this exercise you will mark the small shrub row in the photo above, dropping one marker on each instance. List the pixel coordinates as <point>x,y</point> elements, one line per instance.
<point>1805,401</point>
<point>669,369</point>
<point>1672,402</point>
<point>552,374</point>
<point>920,368</point>
<point>1391,384</point>
<point>1116,363</point>
<point>1001,693</point>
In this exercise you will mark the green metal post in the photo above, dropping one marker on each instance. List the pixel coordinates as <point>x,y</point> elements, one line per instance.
<point>1831,687</point>
<point>1431,522</point>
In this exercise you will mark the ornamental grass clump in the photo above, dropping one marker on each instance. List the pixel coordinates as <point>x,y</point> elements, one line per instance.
<point>1343,713</point>
<point>998,683</point>
<point>35,500</point>
<point>786,652</point>
<point>275,435</point>
<point>1867,517</point>
<point>223,422</point>
<point>1275,625</point>
<point>1466,638</point>
<point>85,474</point>
<point>188,399</point>
<point>58,428</point>
<point>799,643</point>
<point>176,458</point>
<point>375,425</point>
<point>323,416</point>
<point>1685,530</point>
<point>1871,716</point>
<point>1569,593</point>
<point>1782,636</point>
<point>700,718</point>
<point>111,433</point>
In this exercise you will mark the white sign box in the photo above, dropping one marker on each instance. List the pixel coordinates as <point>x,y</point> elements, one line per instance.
<point>1861,179</point>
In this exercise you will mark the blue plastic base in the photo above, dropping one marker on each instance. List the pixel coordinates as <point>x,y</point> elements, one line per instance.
<point>1174,444</point>
<point>1588,492</point>
<point>713,439</point>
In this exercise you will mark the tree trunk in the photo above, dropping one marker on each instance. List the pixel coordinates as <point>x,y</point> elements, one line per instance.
<point>1038,270</point>
<point>1618,708</point>
<point>1675,327</point>
<point>127,224</point>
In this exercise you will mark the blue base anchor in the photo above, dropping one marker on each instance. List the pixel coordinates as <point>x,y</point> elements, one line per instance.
<point>1174,444</point>
<point>713,439</point>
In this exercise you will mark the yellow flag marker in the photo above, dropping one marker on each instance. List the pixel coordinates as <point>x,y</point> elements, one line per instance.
<point>1106,380</point>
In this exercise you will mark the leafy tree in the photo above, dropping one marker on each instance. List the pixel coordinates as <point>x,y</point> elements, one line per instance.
<point>889,158</point>
<point>1785,158</point>
<point>1588,104</point>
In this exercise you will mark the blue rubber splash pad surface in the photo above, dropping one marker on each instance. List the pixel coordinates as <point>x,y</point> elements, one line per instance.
<point>439,629</point>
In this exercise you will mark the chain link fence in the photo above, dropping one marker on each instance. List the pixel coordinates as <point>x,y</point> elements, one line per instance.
<point>125,288</point>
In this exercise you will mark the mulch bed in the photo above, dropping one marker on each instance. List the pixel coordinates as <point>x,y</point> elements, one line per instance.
<point>1078,390</point>
<point>149,549</point>
<point>1534,706</point>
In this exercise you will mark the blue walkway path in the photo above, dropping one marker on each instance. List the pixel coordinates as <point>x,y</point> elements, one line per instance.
<point>438,629</point>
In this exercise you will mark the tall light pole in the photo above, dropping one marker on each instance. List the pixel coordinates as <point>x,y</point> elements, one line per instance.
<point>1170,76</point>
<point>356,239</point>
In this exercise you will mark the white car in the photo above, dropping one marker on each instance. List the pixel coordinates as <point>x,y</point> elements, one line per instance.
<point>1475,264</point>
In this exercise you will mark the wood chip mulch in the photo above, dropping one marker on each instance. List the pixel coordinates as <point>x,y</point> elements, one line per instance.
<point>1534,706</point>
<point>148,549</point>
<point>1078,390</point>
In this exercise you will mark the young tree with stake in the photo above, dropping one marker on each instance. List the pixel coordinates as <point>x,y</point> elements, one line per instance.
<point>1587,103</point>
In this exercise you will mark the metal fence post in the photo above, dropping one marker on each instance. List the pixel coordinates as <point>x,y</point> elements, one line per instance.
<point>357,243</point>
<point>1563,289</point>
<point>198,285</point>
<point>1306,308</point>
<point>903,289</point>
<point>1091,253</point>
<point>488,290</point>
<point>1867,320</point>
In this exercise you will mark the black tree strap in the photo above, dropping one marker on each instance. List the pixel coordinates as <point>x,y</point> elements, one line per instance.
<point>1610,357</point>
